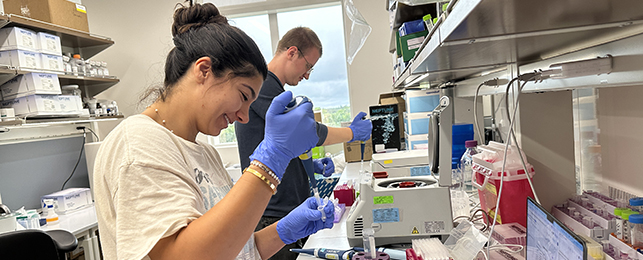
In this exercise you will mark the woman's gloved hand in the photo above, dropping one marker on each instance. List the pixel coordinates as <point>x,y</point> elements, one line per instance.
<point>319,166</point>
<point>287,135</point>
<point>304,221</point>
<point>361,127</point>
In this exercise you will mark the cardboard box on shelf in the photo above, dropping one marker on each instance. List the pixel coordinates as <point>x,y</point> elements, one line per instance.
<point>21,59</point>
<point>407,45</point>
<point>353,151</point>
<point>52,62</point>
<point>29,84</point>
<point>13,38</point>
<point>59,12</point>
<point>43,105</point>
<point>49,44</point>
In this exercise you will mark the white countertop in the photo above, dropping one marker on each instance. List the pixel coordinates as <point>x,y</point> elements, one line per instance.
<point>78,221</point>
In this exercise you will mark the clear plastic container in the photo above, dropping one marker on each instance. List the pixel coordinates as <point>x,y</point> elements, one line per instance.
<point>466,161</point>
<point>105,70</point>
<point>626,225</point>
<point>619,222</point>
<point>636,230</point>
<point>637,204</point>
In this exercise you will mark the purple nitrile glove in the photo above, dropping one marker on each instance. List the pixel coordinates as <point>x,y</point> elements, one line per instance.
<point>304,221</point>
<point>361,127</point>
<point>287,135</point>
<point>319,166</point>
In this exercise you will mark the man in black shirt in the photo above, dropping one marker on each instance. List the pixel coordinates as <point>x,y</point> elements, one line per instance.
<point>297,52</point>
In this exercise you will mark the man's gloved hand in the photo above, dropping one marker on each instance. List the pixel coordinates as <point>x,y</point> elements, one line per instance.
<point>319,166</point>
<point>287,135</point>
<point>362,128</point>
<point>304,221</point>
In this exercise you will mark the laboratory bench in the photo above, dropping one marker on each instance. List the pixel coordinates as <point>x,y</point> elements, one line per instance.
<point>84,225</point>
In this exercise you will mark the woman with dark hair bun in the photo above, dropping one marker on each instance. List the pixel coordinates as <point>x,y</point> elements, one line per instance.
<point>161,194</point>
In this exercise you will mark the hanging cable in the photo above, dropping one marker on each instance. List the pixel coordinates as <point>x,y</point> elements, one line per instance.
<point>82,148</point>
<point>504,161</point>
<point>94,133</point>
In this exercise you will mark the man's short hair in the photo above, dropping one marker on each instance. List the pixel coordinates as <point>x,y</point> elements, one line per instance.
<point>301,37</point>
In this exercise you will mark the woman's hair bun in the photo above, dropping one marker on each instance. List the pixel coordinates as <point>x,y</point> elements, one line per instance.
<point>196,16</point>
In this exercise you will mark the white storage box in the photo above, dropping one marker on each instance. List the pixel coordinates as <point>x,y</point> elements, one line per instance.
<point>13,38</point>
<point>52,62</point>
<point>29,84</point>
<point>417,142</point>
<point>38,105</point>
<point>49,44</point>
<point>418,101</point>
<point>70,199</point>
<point>416,123</point>
<point>20,59</point>
<point>70,103</point>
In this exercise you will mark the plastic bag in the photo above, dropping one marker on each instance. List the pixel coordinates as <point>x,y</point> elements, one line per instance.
<point>359,30</point>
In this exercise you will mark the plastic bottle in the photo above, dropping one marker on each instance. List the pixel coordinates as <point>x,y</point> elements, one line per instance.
<point>636,229</point>
<point>80,65</point>
<point>465,164</point>
<point>105,70</point>
<point>619,222</point>
<point>74,64</point>
<point>637,204</point>
<point>626,225</point>
<point>51,216</point>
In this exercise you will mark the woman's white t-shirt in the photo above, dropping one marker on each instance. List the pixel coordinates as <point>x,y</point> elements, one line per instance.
<point>149,183</point>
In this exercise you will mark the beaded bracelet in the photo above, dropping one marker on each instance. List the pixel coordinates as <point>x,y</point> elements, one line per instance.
<point>266,169</point>
<point>264,179</point>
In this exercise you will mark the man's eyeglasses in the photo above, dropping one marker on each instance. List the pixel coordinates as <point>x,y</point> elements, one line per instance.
<point>308,65</point>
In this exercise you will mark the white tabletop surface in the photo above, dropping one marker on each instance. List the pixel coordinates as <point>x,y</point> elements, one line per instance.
<point>336,237</point>
<point>77,221</point>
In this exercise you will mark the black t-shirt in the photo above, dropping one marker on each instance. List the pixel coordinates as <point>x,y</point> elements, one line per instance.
<point>294,188</point>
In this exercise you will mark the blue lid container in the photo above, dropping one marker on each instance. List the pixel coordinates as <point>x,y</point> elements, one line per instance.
<point>411,27</point>
<point>638,201</point>
<point>636,219</point>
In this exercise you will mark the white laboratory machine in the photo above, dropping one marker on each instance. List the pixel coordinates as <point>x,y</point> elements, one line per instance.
<point>403,208</point>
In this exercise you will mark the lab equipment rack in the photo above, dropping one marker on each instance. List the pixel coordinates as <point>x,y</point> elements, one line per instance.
<point>479,40</point>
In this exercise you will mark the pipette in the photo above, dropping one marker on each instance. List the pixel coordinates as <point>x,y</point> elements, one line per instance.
<point>362,145</point>
<point>307,159</point>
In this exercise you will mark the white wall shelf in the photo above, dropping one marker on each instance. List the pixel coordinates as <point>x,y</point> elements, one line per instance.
<point>480,36</point>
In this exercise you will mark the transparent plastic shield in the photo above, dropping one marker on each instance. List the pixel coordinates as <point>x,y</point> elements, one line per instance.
<point>359,30</point>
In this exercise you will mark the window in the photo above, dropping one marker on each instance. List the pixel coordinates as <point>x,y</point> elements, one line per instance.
<point>258,28</point>
<point>327,86</point>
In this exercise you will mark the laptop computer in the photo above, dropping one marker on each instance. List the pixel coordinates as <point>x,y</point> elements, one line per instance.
<point>550,239</point>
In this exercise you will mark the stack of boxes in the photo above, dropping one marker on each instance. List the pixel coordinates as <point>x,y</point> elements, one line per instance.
<point>419,104</point>
<point>35,93</point>
<point>26,49</point>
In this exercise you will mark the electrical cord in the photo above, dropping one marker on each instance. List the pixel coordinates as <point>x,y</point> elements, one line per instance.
<point>475,113</point>
<point>526,78</point>
<point>504,161</point>
<point>491,82</point>
<point>94,133</point>
<point>82,148</point>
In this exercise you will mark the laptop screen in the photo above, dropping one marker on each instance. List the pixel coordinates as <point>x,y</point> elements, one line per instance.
<point>548,238</point>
